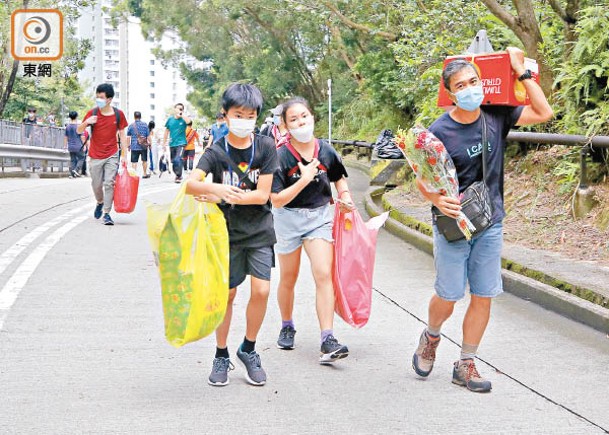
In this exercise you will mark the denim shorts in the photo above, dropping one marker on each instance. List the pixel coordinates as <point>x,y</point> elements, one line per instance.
<point>256,262</point>
<point>477,261</point>
<point>293,225</point>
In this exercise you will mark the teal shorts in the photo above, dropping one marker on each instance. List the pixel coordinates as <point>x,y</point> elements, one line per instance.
<point>477,261</point>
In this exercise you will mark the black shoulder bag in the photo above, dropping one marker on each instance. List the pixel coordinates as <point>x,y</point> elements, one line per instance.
<point>475,202</point>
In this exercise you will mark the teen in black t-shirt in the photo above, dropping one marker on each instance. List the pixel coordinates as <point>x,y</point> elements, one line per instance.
<point>243,188</point>
<point>301,198</point>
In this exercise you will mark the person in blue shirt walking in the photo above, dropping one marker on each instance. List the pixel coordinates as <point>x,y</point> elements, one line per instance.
<point>138,132</point>
<point>176,130</point>
<point>75,144</point>
<point>218,130</point>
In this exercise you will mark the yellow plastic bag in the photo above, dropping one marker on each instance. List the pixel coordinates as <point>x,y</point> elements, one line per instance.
<point>190,243</point>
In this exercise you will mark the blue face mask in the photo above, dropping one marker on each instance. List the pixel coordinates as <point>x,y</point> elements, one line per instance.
<point>100,102</point>
<point>276,120</point>
<point>470,98</point>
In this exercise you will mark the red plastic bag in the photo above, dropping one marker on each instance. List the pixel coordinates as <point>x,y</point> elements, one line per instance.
<point>354,252</point>
<point>125,190</point>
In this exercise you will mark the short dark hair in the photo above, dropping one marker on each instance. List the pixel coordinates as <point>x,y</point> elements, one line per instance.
<point>73,115</point>
<point>151,125</point>
<point>31,109</point>
<point>219,115</point>
<point>242,95</point>
<point>454,67</point>
<point>292,102</point>
<point>179,104</point>
<point>137,115</point>
<point>106,89</point>
<point>190,123</point>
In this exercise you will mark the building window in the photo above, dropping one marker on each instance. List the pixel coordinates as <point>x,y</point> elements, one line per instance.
<point>152,62</point>
<point>152,84</point>
<point>152,73</point>
<point>152,118</point>
<point>152,107</point>
<point>151,95</point>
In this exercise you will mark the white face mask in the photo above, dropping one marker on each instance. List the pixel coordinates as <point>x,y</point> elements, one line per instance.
<point>241,127</point>
<point>303,134</point>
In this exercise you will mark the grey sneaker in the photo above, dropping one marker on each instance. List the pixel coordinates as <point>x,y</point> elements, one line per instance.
<point>425,355</point>
<point>286,338</point>
<point>219,372</point>
<point>332,350</point>
<point>466,375</point>
<point>255,373</point>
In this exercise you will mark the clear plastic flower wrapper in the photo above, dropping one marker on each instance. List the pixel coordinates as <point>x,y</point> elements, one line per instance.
<point>433,167</point>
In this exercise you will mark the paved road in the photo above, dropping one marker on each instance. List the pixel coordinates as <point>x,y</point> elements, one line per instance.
<point>83,351</point>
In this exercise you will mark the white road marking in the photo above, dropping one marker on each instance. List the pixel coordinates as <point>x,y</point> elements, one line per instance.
<point>11,290</point>
<point>11,253</point>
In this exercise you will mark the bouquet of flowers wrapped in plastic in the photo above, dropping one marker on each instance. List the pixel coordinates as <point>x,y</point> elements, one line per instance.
<point>433,167</point>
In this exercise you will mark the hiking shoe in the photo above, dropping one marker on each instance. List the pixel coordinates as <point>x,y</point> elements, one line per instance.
<point>425,355</point>
<point>466,375</point>
<point>332,350</point>
<point>98,211</point>
<point>107,219</point>
<point>255,373</point>
<point>219,372</point>
<point>286,338</point>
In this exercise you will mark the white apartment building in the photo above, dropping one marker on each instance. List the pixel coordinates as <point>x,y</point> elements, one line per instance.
<point>125,59</point>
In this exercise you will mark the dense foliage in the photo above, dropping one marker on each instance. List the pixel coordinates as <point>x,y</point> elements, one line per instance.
<point>47,94</point>
<point>384,56</point>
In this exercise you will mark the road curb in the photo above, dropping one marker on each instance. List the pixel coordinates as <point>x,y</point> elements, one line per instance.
<point>522,286</point>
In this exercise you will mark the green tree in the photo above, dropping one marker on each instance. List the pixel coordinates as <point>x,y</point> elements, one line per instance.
<point>47,94</point>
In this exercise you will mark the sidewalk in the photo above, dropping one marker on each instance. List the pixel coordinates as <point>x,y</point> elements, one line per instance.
<point>576,289</point>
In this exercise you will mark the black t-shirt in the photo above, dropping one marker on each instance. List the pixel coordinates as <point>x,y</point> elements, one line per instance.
<point>249,226</point>
<point>318,192</point>
<point>464,145</point>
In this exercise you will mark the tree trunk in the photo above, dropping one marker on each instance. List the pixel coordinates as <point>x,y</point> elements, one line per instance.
<point>6,91</point>
<point>526,28</point>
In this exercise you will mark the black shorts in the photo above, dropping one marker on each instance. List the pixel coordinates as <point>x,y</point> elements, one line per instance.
<point>188,154</point>
<point>256,262</point>
<point>135,155</point>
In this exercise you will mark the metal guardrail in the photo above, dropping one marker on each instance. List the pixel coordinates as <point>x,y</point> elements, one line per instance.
<point>529,138</point>
<point>23,145</point>
<point>31,134</point>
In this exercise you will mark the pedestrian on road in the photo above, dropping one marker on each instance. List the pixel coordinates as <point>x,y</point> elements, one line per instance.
<point>75,144</point>
<point>301,197</point>
<point>276,128</point>
<point>28,122</point>
<point>106,123</point>
<point>242,165</point>
<point>477,261</point>
<point>218,130</point>
<point>139,134</point>
<point>153,148</point>
<point>176,130</point>
<point>192,139</point>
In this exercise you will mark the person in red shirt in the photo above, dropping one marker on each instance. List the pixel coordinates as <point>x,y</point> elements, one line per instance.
<point>107,127</point>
